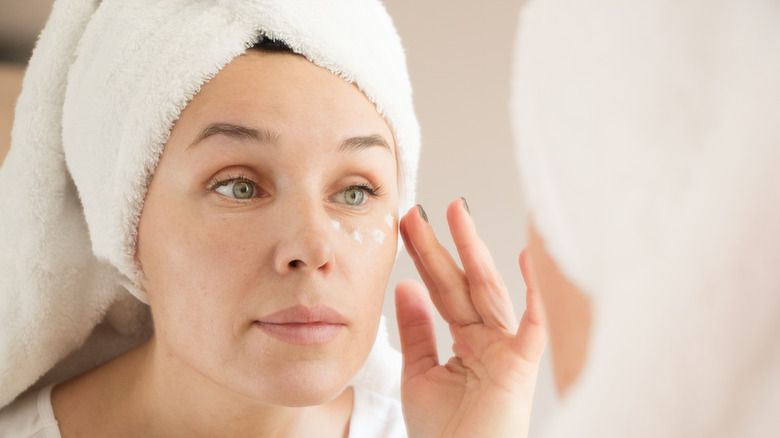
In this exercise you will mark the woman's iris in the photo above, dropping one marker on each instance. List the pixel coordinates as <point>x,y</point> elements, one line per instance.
<point>243,190</point>
<point>354,196</point>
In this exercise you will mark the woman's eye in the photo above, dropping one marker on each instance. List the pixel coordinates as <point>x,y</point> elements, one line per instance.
<point>238,189</point>
<point>352,196</point>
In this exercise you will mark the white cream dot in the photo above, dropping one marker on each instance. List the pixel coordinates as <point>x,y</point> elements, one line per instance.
<point>379,236</point>
<point>356,235</point>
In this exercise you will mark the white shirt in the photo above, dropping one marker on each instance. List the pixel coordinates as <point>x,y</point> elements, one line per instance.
<point>373,416</point>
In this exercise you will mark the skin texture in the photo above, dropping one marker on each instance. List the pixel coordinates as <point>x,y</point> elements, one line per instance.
<point>567,309</point>
<point>487,388</point>
<point>214,266</point>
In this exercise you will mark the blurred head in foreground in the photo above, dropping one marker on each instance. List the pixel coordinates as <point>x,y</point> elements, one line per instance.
<point>647,143</point>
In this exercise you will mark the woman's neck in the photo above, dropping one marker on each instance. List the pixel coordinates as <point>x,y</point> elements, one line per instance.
<point>146,392</point>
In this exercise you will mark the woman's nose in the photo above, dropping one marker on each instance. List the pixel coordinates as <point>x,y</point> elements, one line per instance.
<point>305,241</point>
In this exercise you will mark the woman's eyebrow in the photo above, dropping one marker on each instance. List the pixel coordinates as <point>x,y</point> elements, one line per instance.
<point>235,131</point>
<point>239,132</point>
<point>354,144</point>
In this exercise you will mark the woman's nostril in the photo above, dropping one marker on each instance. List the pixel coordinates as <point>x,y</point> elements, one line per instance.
<point>294,263</point>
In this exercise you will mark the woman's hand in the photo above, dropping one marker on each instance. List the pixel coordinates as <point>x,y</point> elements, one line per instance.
<point>487,388</point>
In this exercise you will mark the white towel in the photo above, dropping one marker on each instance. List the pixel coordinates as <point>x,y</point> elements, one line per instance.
<point>648,137</point>
<point>105,83</point>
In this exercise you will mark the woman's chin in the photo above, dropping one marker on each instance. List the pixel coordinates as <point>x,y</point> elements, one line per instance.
<point>296,395</point>
<point>298,386</point>
<point>309,398</point>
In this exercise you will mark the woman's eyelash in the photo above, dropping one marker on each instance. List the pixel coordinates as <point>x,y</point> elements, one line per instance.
<point>376,192</point>
<point>219,182</point>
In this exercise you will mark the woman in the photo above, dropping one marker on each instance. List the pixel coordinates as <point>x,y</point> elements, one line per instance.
<point>252,199</point>
<point>648,144</point>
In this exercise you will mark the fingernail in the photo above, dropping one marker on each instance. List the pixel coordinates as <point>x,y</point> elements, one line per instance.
<point>466,205</point>
<point>422,213</point>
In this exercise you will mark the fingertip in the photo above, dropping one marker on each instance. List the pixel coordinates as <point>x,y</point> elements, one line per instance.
<point>461,224</point>
<point>409,227</point>
<point>406,286</point>
<point>402,230</point>
<point>458,209</point>
<point>421,212</point>
<point>415,222</point>
<point>522,261</point>
<point>405,218</point>
<point>525,258</point>
<point>410,294</point>
<point>526,268</point>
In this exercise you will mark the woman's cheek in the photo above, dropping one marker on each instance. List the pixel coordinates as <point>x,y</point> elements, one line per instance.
<point>368,249</point>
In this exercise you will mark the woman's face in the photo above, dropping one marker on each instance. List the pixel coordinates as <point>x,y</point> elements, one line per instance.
<point>269,231</point>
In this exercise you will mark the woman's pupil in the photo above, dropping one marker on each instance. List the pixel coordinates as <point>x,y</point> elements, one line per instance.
<point>354,197</point>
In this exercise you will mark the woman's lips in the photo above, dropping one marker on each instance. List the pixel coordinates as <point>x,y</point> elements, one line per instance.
<point>301,325</point>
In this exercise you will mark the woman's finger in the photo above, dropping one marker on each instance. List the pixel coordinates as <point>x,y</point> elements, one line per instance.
<point>532,334</point>
<point>429,283</point>
<point>488,291</point>
<point>416,328</point>
<point>448,280</point>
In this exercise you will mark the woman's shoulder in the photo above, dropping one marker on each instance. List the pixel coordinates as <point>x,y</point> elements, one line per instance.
<point>376,416</point>
<point>30,416</point>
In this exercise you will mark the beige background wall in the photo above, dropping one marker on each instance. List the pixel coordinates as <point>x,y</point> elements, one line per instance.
<point>10,84</point>
<point>459,56</point>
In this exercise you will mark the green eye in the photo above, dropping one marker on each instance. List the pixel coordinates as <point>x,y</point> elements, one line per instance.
<point>243,190</point>
<point>238,189</point>
<point>354,196</point>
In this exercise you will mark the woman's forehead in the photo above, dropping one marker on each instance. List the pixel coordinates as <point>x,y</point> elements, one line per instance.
<point>261,135</point>
<point>273,96</point>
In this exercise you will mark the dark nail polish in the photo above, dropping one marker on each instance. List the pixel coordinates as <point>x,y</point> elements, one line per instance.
<point>466,206</point>
<point>422,213</point>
